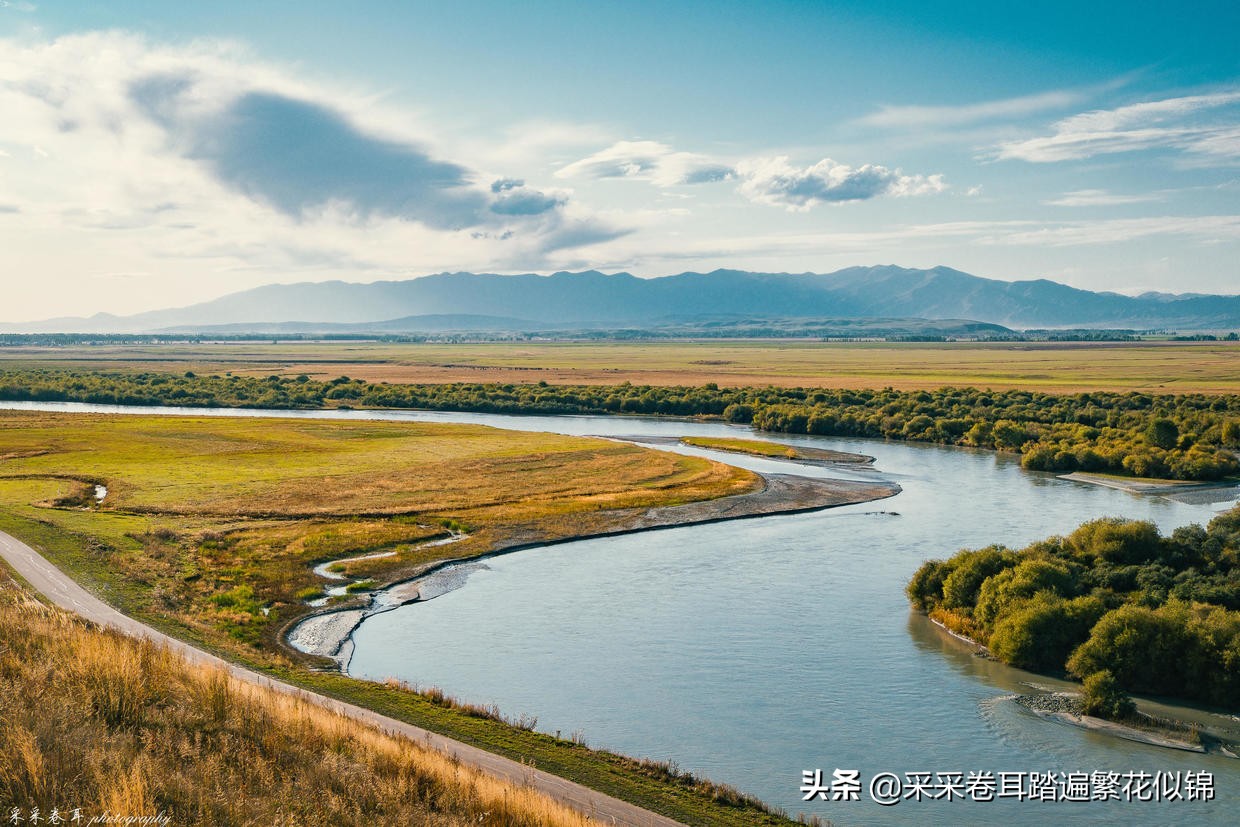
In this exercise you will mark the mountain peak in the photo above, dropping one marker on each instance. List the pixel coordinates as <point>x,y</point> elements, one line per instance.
<point>599,299</point>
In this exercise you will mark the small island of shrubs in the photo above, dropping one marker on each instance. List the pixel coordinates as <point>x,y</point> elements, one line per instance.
<point>1115,604</point>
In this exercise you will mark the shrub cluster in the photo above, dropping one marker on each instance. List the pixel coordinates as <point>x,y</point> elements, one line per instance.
<point>1157,614</point>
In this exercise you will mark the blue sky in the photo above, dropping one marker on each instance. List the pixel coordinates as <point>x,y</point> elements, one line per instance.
<point>156,154</point>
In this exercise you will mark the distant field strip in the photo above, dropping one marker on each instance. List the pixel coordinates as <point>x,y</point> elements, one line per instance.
<point>1159,367</point>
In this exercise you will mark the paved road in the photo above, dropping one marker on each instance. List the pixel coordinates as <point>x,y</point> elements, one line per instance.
<point>66,593</point>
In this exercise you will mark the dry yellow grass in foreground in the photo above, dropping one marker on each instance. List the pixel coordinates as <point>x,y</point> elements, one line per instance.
<point>102,723</point>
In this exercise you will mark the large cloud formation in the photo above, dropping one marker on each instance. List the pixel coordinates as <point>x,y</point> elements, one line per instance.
<point>295,155</point>
<point>216,154</point>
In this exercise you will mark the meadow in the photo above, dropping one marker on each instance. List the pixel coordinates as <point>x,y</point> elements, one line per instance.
<point>1053,367</point>
<point>209,531</point>
<point>219,522</point>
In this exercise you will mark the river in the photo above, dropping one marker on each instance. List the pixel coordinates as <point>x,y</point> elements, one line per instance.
<point>751,651</point>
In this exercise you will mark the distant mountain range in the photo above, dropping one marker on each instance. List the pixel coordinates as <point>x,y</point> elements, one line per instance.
<point>595,301</point>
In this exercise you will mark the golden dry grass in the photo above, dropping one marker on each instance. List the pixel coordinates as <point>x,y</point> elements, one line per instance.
<point>274,467</point>
<point>101,722</point>
<point>1169,367</point>
<point>216,524</point>
<point>757,447</point>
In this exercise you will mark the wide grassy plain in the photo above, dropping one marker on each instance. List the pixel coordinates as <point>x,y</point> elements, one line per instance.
<point>1152,367</point>
<point>210,528</point>
<point>220,521</point>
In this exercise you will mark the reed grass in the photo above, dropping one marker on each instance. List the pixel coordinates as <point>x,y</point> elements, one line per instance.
<point>108,724</point>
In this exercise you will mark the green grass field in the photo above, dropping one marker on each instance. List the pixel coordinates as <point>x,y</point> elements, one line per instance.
<point>210,528</point>
<point>1165,367</point>
<point>218,522</point>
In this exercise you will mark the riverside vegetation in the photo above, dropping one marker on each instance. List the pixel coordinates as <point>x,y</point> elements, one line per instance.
<point>210,529</point>
<point>1182,437</point>
<point>103,723</point>
<point>1114,603</point>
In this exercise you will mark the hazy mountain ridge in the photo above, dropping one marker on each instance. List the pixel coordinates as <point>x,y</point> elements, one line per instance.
<point>597,300</point>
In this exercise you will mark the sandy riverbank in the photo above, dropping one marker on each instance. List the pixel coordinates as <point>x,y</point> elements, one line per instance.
<point>1065,708</point>
<point>1156,487</point>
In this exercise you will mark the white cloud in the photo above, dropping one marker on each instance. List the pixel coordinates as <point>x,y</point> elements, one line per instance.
<point>649,161</point>
<point>1098,198</point>
<point>775,181</point>
<point>1203,124</point>
<point>922,116</point>
<point>1211,229</point>
<point>949,235</point>
<point>121,155</point>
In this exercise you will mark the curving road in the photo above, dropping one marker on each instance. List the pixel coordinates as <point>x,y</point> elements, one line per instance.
<point>66,593</point>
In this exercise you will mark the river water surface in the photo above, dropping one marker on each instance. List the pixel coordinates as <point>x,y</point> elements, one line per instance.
<point>753,650</point>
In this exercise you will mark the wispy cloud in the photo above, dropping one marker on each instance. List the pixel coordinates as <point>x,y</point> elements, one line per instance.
<point>1098,198</point>
<point>1018,233</point>
<point>1006,109</point>
<point>1207,125</point>
<point>1202,228</point>
<point>650,161</point>
<point>777,182</point>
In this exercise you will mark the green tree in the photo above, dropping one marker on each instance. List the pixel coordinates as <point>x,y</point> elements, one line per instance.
<point>1162,433</point>
<point>961,586</point>
<point>1043,631</point>
<point>1144,648</point>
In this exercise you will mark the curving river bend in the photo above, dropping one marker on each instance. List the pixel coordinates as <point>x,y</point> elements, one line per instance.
<point>750,651</point>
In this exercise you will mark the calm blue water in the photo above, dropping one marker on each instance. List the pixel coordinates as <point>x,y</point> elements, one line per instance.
<point>752,650</point>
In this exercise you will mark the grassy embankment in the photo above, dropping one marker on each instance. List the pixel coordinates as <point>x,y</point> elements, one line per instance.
<point>754,447</point>
<point>100,722</point>
<point>210,528</point>
<point>776,450</point>
<point>1148,367</point>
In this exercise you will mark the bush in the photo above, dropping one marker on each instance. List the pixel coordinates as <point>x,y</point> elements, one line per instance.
<point>1103,697</point>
